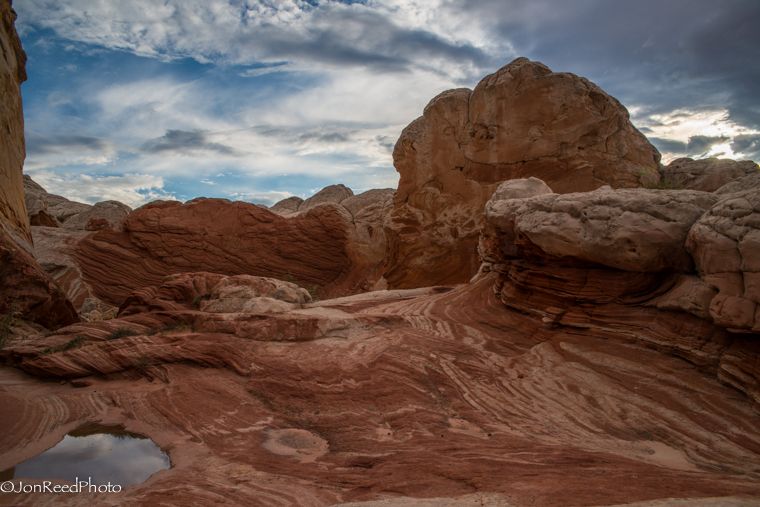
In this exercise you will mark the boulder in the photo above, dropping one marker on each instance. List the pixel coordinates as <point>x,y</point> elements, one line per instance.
<point>725,244</point>
<point>708,174</point>
<point>330,194</point>
<point>523,120</point>
<point>287,205</point>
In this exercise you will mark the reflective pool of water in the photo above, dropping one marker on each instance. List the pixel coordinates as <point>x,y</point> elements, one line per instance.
<point>105,453</point>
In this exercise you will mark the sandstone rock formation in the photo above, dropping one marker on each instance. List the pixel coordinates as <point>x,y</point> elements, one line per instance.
<point>288,205</point>
<point>523,120</point>
<point>26,292</point>
<point>725,244</point>
<point>368,212</point>
<point>13,219</point>
<point>398,396</point>
<point>333,193</point>
<point>674,269</point>
<point>52,210</point>
<point>708,174</point>
<point>224,237</point>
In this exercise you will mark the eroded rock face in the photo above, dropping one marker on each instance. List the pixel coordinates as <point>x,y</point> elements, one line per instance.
<point>26,291</point>
<point>287,205</point>
<point>410,392</point>
<point>725,244</point>
<point>708,174</point>
<point>331,194</point>
<point>225,237</point>
<point>52,210</point>
<point>673,269</point>
<point>13,217</point>
<point>524,120</point>
<point>634,230</point>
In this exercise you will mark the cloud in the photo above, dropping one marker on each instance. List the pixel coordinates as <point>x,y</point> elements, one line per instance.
<point>293,94</point>
<point>267,198</point>
<point>747,145</point>
<point>668,145</point>
<point>132,189</point>
<point>182,141</point>
<point>41,145</point>
<point>307,34</point>
<point>700,145</point>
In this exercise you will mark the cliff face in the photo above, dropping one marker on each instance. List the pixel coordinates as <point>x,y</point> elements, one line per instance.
<point>523,120</point>
<point>13,217</point>
<point>26,291</point>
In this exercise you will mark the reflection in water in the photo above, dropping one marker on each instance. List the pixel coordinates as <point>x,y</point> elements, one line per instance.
<point>105,453</point>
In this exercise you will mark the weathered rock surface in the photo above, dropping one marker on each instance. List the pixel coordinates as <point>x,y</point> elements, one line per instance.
<point>55,250</point>
<point>430,395</point>
<point>103,215</point>
<point>287,205</point>
<point>26,291</point>
<point>673,268</point>
<point>52,210</point>
<point>708,174</point>
<point>635,230</point>
<point>725,244</point>
<point>13,217</point>
<point>224,237</point>
<point>331,194</point>
<point>524,120</point>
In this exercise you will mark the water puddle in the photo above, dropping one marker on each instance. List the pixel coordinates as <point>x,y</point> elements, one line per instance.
<point>105,453</point>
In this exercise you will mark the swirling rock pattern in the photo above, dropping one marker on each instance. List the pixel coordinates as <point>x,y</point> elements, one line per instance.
<point>422,397</point>
<point>523,120</point>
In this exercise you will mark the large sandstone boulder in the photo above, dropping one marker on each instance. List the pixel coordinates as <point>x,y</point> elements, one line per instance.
<point>102,215</point>
<point>636,230</point>
<point>524,120</point>
<point>287,205</point>
<point>725,244</point>
<point>330,194</point>
<point>707,174</point>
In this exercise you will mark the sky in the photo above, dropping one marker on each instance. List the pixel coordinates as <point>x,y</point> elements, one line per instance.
<point>259,100</point>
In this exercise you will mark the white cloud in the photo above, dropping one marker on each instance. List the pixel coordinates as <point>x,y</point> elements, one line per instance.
<point>133,190</point>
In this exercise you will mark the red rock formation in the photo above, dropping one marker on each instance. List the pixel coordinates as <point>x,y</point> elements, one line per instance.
<point>13,217</point>
<point>617,263</point>
<point>223,237</point>
<point>401,395</point>
<point>26,292</point>
<point>524,120</point>
<point>707,174</point>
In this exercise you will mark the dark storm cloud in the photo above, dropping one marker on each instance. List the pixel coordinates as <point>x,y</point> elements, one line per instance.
<point>361,37</point>
<point>185,140</point>
<point>698,145</point>
<point>41,145</point>
<point>694,54</point>
<point>668,145</point>
<point>748,144</point>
